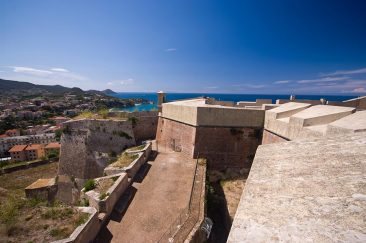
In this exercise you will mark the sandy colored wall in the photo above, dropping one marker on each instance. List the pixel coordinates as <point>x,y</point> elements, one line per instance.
<point>269,137</point>
<point>223,147</point>
<point>227,147</point>
<point>172,135</point>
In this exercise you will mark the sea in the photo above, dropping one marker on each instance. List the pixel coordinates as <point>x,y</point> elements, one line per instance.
<point>224,97</point>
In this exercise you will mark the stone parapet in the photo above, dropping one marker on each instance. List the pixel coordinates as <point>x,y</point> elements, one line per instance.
<point>106,204</point>
<point>87,231</point>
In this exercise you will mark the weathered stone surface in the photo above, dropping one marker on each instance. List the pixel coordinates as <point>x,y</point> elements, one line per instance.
<point>45,189</point>
<point>320,114</point>
<point>196,112</point>
<point>312,122</point>
<point>269,137</point>
<point>85,141</point>
<point>349,124</point>
<point>311,190</point>
<point>223,147</point>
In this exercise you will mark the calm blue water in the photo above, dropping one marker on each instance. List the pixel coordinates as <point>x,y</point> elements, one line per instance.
<point>225,97</point>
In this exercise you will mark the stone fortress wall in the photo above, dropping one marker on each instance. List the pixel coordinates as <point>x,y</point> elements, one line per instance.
<point>85,141</point>
<point>225,134</point>
<point>307,181</point>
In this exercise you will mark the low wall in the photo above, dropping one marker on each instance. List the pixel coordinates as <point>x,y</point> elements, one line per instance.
<point>131,170</point>
<point>269,137</point>
<point>45,189</point>
<point>134,167</point>
<point>146,150</point>
<point>107,204</point>
<point>87,231</point>
<point>26,166</point>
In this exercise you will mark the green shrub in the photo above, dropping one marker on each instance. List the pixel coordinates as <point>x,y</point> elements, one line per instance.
<point>122,134</point>
<point>58,213</point>
<point>4,163</point>
<point>89,185</point>
<point>103,195</point>
<point>59,233</point>
<point>84,202</point>
<point>8,213</point>
<point>133,121</point>
<point>81,219</point>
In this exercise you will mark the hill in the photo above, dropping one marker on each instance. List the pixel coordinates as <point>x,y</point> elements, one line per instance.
<point>10,86</point>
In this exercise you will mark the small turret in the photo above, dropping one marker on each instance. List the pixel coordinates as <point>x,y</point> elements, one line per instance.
<point>161,100</point>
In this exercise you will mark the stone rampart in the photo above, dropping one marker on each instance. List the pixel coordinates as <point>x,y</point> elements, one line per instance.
<point>222,146</point>
<point>85,144</point>
<point>106,205</point>
<point>269,137</point>
<point>131,169</point>
<point>175,136</point>
<point>197,113</point>
<point>227,147</point>
<point>87,231</point>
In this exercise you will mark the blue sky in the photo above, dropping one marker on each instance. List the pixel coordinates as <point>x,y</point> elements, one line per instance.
<point>299,47</point>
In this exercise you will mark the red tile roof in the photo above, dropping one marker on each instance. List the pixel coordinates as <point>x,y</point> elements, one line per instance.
<point>53,145</point>
<point>34,147</point>
<point>17,148</point>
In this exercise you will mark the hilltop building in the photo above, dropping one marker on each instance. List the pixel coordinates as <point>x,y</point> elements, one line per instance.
<point>34,151</point>
<point>7,143</point>
<point>17,153</point>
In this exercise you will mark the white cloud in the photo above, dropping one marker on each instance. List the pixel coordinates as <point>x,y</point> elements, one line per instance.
<point>252,86</point>
<point>110,83</point>
<point>282,82</point>
<point>212,87</point>
<point>319,80</point>
<point>347,72</point>
<point>31,71</point>
<point>50,76</point>
<point>60,70</point>
<point>170,49</point>
<point>127,81</point>
<point>358,90</point>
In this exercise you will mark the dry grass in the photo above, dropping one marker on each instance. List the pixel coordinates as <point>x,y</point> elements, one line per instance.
<point>103,114</point>
<point>137,148</point>
<point>233,189</point>
<point>124,160</point>
<point>29,220</point>
<point>15,182</point>
<point>103,185</point>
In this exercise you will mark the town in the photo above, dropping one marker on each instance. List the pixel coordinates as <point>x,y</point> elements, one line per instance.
<point>30,119</point>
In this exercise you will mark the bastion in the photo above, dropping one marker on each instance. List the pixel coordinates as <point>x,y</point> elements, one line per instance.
<point>227,136</point>
<point>310,190</point>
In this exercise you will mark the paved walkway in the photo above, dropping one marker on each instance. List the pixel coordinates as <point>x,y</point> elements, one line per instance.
<point>157,200</point>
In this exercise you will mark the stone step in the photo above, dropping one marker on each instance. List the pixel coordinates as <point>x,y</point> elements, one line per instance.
<point>286,110</point>
<point>319,115</point>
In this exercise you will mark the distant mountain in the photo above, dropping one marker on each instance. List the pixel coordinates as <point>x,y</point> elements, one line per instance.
<point>109,92</point>
<point>9,86</point>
